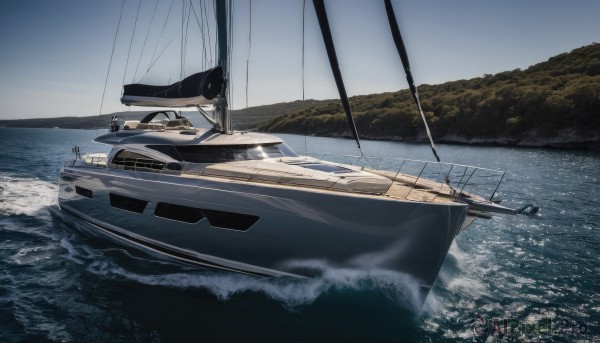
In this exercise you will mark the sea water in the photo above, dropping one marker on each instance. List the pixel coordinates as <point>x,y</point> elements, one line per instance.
<point>508,278</point>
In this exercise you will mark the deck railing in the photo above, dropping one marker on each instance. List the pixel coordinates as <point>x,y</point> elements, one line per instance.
<point>460,178</point>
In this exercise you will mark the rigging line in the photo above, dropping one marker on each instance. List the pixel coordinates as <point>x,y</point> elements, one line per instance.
<point>131,41</point>
<point>205,20</point>
<point>187,30</point>
<point>216,34</point>
<point>181,47</point>
<point>404,57</point>
<point>303,34</point>
<point>145,40</point>
<point>248,58</point>
<point>163,50</point>
<point>230,58</point>
<point>187,34</point>
<point>204,16</point>
<point>186,37</point>
<point>306,117</point>
<point>201,34</point>
<point>185,24</point>
<point>110,62</point>
<point>152,60</point>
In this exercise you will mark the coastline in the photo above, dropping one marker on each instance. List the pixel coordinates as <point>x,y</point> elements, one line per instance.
<point>567,140</point>
<point>564,141</point>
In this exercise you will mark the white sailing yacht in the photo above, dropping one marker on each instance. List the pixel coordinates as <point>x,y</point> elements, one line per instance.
<point>246,202</point>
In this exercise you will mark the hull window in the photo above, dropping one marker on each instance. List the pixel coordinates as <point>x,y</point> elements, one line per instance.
<point>84,192</point>
<point>180,213</point>
<point>229,220</point>
<point>127,203</point>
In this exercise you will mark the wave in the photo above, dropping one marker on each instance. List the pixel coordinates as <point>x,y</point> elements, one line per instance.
<point>26,195</point>
<point>291,292</point>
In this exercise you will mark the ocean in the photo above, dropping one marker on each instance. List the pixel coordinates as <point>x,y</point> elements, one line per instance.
<point>510,278</point>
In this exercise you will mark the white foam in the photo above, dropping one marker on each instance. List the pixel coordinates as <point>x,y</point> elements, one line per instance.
<point>32,255</point>
<point>28,196</point>
<point>400,288</point>
<point>73,254</point>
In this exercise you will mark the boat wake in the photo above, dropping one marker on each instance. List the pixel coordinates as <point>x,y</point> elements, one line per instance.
<point>134,266</point>
<point>26,196</point>
<point>399,288</point>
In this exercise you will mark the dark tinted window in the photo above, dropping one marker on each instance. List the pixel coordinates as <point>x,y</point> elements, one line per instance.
<point>228,153</point>
<point>127,203</point>
<point>84,192</point>
<point>229,220</point>
<point>133,161</point>
<point>178,212</point>
<point>168,150</point>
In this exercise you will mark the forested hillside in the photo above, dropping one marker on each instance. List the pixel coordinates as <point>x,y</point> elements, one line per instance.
<point>553,103</point>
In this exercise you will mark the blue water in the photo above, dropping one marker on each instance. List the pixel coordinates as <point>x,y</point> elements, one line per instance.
<point>539,276</point>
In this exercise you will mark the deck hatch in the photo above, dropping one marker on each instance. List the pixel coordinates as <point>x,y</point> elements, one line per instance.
<point>230,220</point>
<point>84,192</point>
<point>328,168</point>
<point>180,213</point>
<point>127,203</point>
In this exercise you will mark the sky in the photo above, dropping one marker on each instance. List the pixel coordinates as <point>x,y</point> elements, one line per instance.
<point>55,55</point>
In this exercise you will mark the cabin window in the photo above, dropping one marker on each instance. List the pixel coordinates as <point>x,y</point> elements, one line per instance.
<point>218,219</point>
<point>230,220</point>
<point>128,160</point>
<point>84,192</point>
<point>180,213</point>
<point>229,153</point>
<point>127,203</point>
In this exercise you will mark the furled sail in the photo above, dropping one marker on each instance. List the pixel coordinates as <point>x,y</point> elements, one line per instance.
<point>335,67</point>
<point>195,90</point>
<point>404,58</point>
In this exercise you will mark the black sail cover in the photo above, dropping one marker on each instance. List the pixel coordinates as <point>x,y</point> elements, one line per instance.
<point>404,58</point>
<point>335,67</point>
<point>194,90</point>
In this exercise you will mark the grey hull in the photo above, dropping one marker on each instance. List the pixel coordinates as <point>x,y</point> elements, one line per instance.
<point>294,224</point>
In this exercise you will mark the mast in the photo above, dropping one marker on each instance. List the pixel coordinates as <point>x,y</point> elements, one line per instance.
<point>223,120</point>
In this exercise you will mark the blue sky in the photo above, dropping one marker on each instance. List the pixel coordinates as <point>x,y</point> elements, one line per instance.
<point>54,55</point>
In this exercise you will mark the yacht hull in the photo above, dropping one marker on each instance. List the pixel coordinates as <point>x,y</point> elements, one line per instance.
<point>286,226</point>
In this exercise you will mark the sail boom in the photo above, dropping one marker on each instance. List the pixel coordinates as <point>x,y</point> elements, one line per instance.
<point>194,90</point>
<point>146,101</point>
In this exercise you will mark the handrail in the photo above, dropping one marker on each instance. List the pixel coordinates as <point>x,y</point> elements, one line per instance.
<point>401,159</point>
<point>457,177</point>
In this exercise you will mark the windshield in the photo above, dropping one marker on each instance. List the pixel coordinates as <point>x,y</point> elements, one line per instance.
<point>229,153</point>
